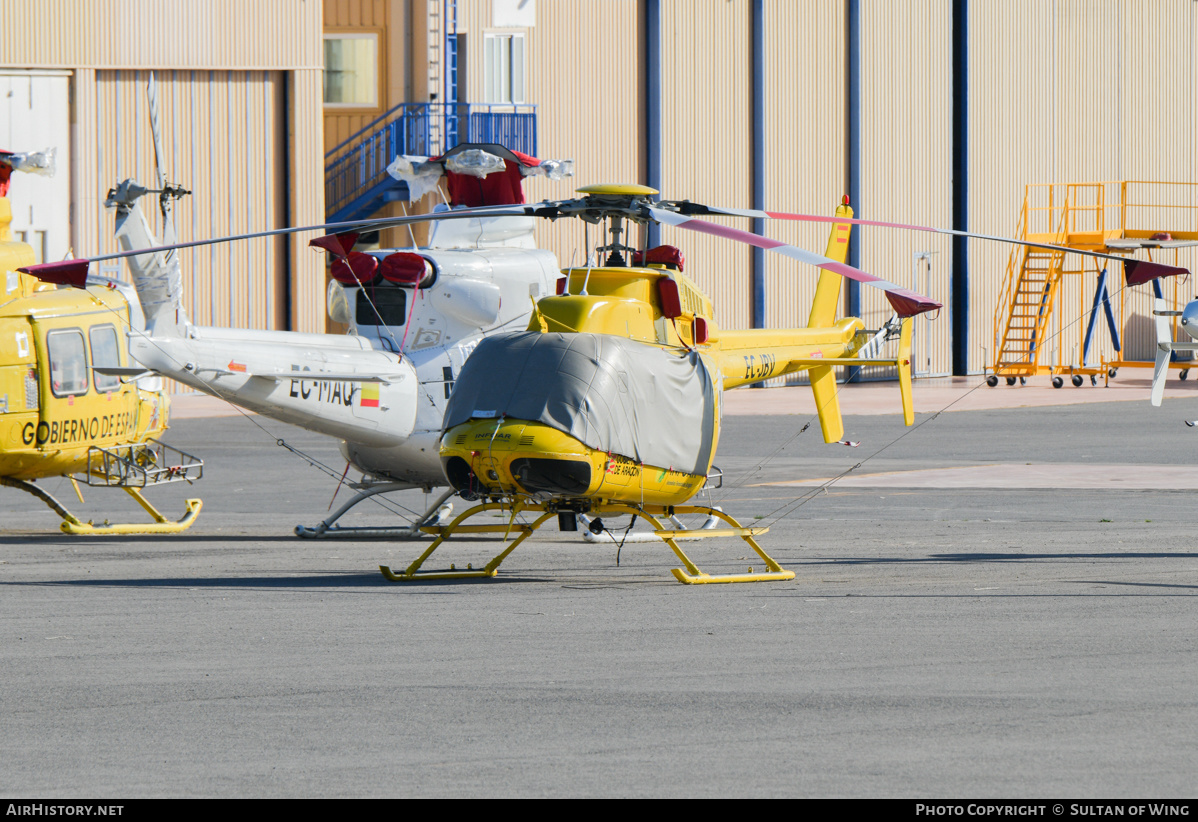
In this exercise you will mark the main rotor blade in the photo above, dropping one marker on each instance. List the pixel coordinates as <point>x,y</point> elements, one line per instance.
<point>55,271</point>
<point>905,302</point>
<point>1148,271</point>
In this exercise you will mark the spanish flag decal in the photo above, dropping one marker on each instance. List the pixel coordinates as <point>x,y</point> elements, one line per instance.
<point>370,395</point>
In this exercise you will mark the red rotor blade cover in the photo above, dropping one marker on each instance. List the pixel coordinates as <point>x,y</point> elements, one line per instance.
<point>339,245</point>
<point>406,268</point>
<point>671,302</point>
<point>1138,272</point>
<point>66,272</point>
<point>667,255</point>
<point>356,269</point>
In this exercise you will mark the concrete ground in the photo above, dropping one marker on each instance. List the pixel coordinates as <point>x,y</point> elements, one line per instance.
<point>993,603</point>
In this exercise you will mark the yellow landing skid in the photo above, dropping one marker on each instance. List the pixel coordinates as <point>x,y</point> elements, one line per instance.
<point>73,525</point>
<point>691,575</point>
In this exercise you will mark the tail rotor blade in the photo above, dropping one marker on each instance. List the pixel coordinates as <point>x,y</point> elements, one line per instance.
<point>1164,349</point>
<point>155,129</point>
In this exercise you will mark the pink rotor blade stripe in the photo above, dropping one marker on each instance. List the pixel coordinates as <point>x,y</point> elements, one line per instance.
<point>1159,270</point>
<point>905,302</point>
<point>755,214</point>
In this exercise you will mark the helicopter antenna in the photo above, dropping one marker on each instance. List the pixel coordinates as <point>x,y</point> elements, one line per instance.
<point>586,280</point>
<point>411,233</point>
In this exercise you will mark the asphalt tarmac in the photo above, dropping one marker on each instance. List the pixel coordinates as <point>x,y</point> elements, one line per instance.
<point>951,632</point>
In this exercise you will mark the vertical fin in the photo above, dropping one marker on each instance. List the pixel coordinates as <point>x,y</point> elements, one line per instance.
<point>827,405</point>
<point>827,289</point>
<point>823,314</point>
<point>158,277</point>
<point>904,371</point>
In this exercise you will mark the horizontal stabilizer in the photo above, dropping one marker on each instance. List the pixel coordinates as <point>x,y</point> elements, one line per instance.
<point>128,374</point>
<point>327,376</point>
<point>812,362</point>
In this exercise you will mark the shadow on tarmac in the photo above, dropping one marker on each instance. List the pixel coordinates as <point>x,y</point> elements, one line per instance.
<point>1001,558</point>
<point>334,580</point>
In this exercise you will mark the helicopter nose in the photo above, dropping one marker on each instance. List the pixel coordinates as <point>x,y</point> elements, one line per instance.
<point>1189,319</point>
<point>482,457</point>
<point>551,476</point>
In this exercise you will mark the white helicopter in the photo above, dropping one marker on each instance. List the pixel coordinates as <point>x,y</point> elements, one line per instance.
<point>414,316</point>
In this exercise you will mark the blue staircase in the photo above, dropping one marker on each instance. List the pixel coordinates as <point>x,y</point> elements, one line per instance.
<point>357,184</point>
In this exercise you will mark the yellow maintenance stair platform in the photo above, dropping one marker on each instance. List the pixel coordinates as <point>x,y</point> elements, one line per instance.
<point>1048,309</point>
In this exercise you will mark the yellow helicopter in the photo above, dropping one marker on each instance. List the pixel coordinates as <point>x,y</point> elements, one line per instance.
<point>609,404</point>
<point>59,416</point>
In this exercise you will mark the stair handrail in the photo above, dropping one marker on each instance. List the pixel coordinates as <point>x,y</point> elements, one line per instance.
<point>373,125</point>
<point>1002,307</point>
<point>1061,235</point>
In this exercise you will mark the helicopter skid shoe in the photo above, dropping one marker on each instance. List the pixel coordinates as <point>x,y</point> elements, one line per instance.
<point>161,524</point>
<point>404,576</point>
<point>413,573</point>
<point>702,578</point>
<point>438,512</point>
<point>73,525</point>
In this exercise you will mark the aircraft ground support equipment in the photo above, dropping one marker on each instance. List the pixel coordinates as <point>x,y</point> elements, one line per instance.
<point>1038,325</point>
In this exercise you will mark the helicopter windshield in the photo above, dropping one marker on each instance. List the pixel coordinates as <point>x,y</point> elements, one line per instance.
<point>105,353</point>
<point>68,362</point>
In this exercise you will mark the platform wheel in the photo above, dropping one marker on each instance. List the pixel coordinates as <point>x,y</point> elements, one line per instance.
<point>1057,382</point>
<point>1185,372</point>
<point>1010,380</point>
<point>1023,380</point>
<point>992,381</point>
<point>1093,379</point>
<point>1112,372</point>
<point>1077,380</point>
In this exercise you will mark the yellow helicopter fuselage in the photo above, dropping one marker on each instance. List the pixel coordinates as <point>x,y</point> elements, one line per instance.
<point>53,408</point>
<point>501,455</point>
<point>609,404</point>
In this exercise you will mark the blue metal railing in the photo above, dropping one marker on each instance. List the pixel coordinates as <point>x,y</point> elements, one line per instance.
<point>358,165</point>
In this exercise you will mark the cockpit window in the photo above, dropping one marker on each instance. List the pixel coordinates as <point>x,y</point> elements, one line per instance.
<point>381,306</point>
<point>68,362</point>
<point>105,352</point>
